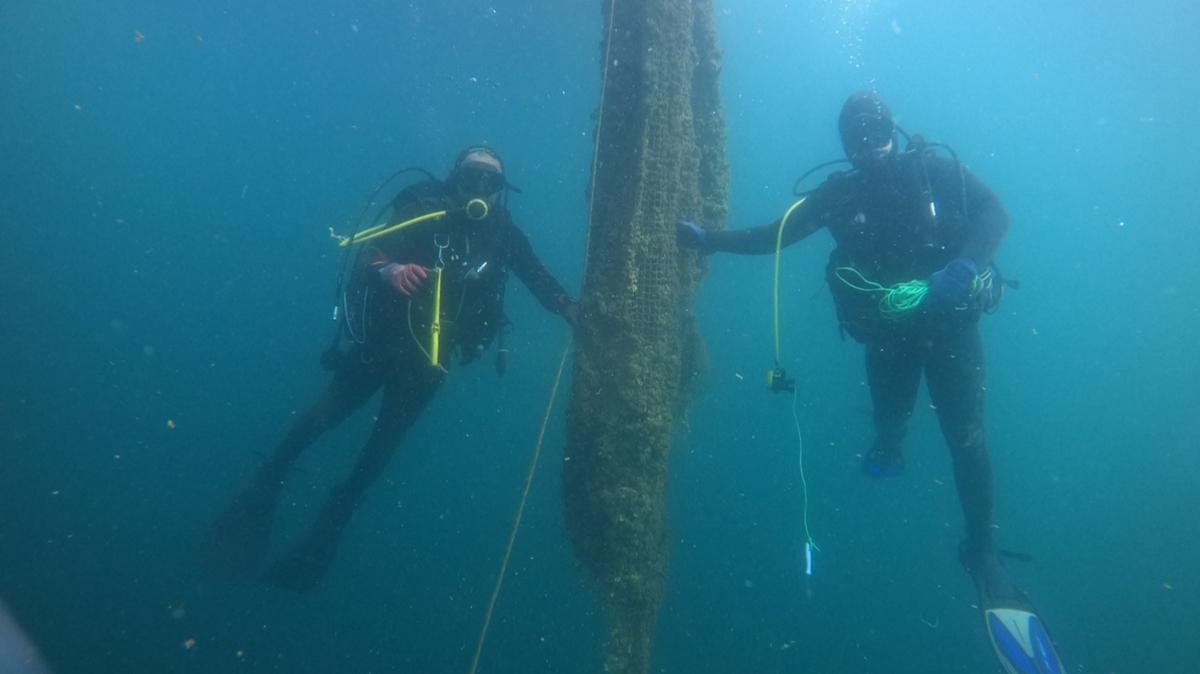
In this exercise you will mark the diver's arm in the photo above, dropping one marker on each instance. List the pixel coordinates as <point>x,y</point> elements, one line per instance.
<point>984,224</point>
<point>989,223</point>
<point>548,291</point>
<point>802,220</point>
<point>377,266</point>
<point>389,248</point>
<point>987,220</point>
<point>374,259</point>
<point>761,240</point>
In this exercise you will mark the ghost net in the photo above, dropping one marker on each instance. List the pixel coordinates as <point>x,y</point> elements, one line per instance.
<point>660,157</point>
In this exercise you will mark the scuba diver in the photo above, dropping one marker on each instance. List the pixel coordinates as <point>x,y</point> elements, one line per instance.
<point>427,282</point>
<point>896,216</point>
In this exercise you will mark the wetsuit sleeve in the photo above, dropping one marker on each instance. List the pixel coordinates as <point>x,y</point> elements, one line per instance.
<point>532,273</point>
<point>762,240</point>
<point>987,221</point>
<point>394,247</point>
<point>374,259</point>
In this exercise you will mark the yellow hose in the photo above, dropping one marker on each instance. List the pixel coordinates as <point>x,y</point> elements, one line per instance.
<point>775,293</point>
<point>435,329</point>
<point>385,229</point>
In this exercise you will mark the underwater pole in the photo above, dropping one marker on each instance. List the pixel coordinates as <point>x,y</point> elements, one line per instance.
<point>659,157</point>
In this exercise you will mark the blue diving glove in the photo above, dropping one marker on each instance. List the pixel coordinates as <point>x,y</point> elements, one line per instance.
<point>952,286</point>
<point>689,235</point>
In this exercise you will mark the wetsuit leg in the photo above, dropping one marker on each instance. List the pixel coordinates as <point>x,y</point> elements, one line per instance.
<point>894,375</point>
<point>351,387</point>
<point>955,375</point>
<point>237,541</point>
<point>404,399</point>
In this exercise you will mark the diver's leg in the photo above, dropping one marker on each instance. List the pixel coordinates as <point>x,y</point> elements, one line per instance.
<point>894,375</point>
<point>352,385</point>
<point>956,383</point>
<point>237,541</point>
<point>403,402</point>
<point>955,375</point>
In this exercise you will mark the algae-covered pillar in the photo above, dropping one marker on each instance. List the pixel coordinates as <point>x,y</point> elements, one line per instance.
<point>660,157</point>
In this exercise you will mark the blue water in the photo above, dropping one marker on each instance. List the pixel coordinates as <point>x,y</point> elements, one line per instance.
<point>168,176</point>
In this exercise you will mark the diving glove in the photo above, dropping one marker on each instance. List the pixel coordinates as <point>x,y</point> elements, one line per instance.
<point>405,278</point>
<point>691,236</point>
<point>952,285</point>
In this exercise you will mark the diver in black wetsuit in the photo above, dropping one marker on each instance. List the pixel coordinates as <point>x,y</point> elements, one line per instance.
<point>897,217</point>
<point>456,263</point>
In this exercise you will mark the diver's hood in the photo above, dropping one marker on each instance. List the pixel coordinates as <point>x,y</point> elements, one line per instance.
<point>866,127</point>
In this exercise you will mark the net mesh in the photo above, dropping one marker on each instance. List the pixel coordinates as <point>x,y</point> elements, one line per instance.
<point>660,158</point>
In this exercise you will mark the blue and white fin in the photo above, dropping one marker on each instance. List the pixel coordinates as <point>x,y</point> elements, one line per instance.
<point>1021,642</point>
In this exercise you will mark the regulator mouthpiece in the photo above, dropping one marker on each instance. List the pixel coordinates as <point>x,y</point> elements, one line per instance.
<point>477,209</point>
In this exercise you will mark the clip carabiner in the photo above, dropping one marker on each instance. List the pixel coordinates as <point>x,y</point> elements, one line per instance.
<point>441,261</point>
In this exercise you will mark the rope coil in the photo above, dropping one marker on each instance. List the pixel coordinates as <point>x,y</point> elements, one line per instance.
<point>895,301</point>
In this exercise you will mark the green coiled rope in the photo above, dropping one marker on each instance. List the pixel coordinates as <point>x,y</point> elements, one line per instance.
<point>895,301</point>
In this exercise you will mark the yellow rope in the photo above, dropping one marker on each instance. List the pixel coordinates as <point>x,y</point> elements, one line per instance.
<point>512,536</point>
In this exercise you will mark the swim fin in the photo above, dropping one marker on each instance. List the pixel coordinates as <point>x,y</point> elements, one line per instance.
<point>235,544</point>
<point>308,562</point>
<point>1021,642</point>
<point>1019,639</point>
<point>302,569</point>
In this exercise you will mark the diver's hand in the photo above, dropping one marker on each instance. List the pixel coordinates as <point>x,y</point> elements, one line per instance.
<point>689,235</point>
<point>569,310</point>
<point>952,285</point>
<point>405,278</point>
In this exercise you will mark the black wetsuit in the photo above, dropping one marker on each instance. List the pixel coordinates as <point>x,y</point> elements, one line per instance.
<point>887,230</point>
<point>390,337</point>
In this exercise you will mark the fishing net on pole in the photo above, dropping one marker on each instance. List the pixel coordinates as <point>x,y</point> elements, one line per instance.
<point>660,157</point>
